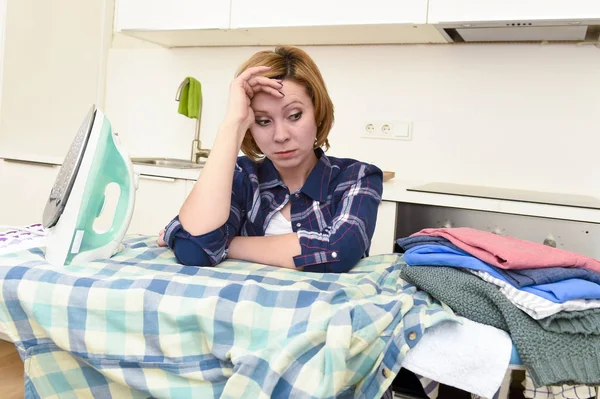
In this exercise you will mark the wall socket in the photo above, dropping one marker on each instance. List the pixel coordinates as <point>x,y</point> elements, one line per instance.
<point>389,130</point>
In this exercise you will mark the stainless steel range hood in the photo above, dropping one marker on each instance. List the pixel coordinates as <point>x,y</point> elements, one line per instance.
<point>522,31</point>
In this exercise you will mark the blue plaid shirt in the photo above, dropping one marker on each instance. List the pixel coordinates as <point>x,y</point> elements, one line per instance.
<point>334,214</point>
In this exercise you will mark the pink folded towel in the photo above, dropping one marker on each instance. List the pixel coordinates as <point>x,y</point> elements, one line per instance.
<point>509,252</point>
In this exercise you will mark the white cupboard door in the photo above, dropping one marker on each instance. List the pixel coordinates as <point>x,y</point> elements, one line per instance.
<point>2,30</point>
<point>172,14</point>
<point>158,200</point>
<point>276,13</point>
<point>25,188</point>
<point>444,11</point>
<point>53,70</point>
<point>385,229</point>
<point>189,186</point>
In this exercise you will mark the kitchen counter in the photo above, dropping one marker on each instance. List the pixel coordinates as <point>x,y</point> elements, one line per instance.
<point>160,171</point>
<point>395,190</point>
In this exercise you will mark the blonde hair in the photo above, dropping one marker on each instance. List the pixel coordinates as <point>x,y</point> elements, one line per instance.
<point>294,64</point>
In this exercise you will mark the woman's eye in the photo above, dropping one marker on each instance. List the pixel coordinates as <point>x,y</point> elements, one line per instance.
<point>262,122</point>
<point>296,116</point>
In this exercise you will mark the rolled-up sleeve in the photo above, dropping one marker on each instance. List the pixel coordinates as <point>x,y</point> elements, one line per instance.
<point>211,248</point>
<point>341,244</point>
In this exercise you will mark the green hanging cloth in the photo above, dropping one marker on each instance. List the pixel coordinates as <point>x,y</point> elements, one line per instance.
<point>190,102</point>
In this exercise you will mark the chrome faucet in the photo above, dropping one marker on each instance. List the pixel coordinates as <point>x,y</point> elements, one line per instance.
<point>197,151</point>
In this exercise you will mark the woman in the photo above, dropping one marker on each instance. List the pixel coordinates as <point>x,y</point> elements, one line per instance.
<point>285,203</point>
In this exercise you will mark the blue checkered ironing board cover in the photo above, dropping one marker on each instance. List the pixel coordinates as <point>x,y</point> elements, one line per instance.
<point>142,325</point>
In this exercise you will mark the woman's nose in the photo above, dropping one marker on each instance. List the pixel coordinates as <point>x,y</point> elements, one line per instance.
<point>281,134</point>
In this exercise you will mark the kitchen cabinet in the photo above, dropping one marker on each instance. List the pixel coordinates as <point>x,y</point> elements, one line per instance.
<point>319,22</point>
<point>157,201</point>
<point>25,188</point>
<point>178,23</point>
<point>2,30</point>
<point>189,186</point>
<point>446,11</point>
<point>252,14</point>
<point>566,234</point>
<point>385,229</point>
<point>52,70</point>
<point>270,22</point>
<point>172,14</point>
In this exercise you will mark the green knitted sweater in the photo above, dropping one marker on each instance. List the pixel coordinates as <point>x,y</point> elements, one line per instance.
<point>581,322</point>
<point>552,358</point>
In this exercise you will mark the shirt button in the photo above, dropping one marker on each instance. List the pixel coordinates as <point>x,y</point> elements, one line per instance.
<point>298,224</point>
<point>386,372</point>
<point>412,335</point>
<point>334,255</point>
<point>297,195</point>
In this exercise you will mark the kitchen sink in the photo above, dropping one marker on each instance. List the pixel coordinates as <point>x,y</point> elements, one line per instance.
<point>168,163</point>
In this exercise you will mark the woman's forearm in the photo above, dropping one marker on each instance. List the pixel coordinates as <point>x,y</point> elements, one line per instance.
<point>272,250</point>
<point>207,207</point>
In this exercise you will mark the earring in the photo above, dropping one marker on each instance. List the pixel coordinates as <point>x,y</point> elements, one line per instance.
<point>316,143</point>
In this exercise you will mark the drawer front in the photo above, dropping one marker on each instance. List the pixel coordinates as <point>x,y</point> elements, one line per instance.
<point>578,237</point>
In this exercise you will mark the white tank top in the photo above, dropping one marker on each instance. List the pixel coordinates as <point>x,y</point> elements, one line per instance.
<point>278,225</point>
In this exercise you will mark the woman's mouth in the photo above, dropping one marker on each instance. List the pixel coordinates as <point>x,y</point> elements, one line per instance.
<point>285,154</point>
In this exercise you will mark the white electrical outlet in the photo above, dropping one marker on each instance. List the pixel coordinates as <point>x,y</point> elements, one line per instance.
<point>389,130</point>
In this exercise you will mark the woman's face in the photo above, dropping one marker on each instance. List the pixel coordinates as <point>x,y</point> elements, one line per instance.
<point>285,128</point>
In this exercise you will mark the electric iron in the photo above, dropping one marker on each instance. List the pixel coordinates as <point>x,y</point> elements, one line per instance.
<point>96,172</point>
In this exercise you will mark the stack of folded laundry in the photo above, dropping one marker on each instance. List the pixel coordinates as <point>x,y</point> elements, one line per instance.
<point>546,299</point>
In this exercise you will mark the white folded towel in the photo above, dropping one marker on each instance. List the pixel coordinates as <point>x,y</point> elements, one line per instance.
<point>470,356</point>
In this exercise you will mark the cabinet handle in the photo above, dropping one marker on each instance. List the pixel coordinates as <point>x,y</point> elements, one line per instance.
<point>159,178</point>
<point>30,162</point>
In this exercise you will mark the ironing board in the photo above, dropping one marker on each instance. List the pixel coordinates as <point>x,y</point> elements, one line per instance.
<point>140,324</point>
<point>23,240</point>
<point>13,240</point>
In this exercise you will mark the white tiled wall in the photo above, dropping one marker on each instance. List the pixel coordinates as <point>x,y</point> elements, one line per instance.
<point>519,116</point>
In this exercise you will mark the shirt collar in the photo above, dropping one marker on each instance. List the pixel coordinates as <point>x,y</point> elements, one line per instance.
<point>317,183</point>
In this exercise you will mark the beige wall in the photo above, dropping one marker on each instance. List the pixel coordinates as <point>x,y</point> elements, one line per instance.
<point>519,116</point>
